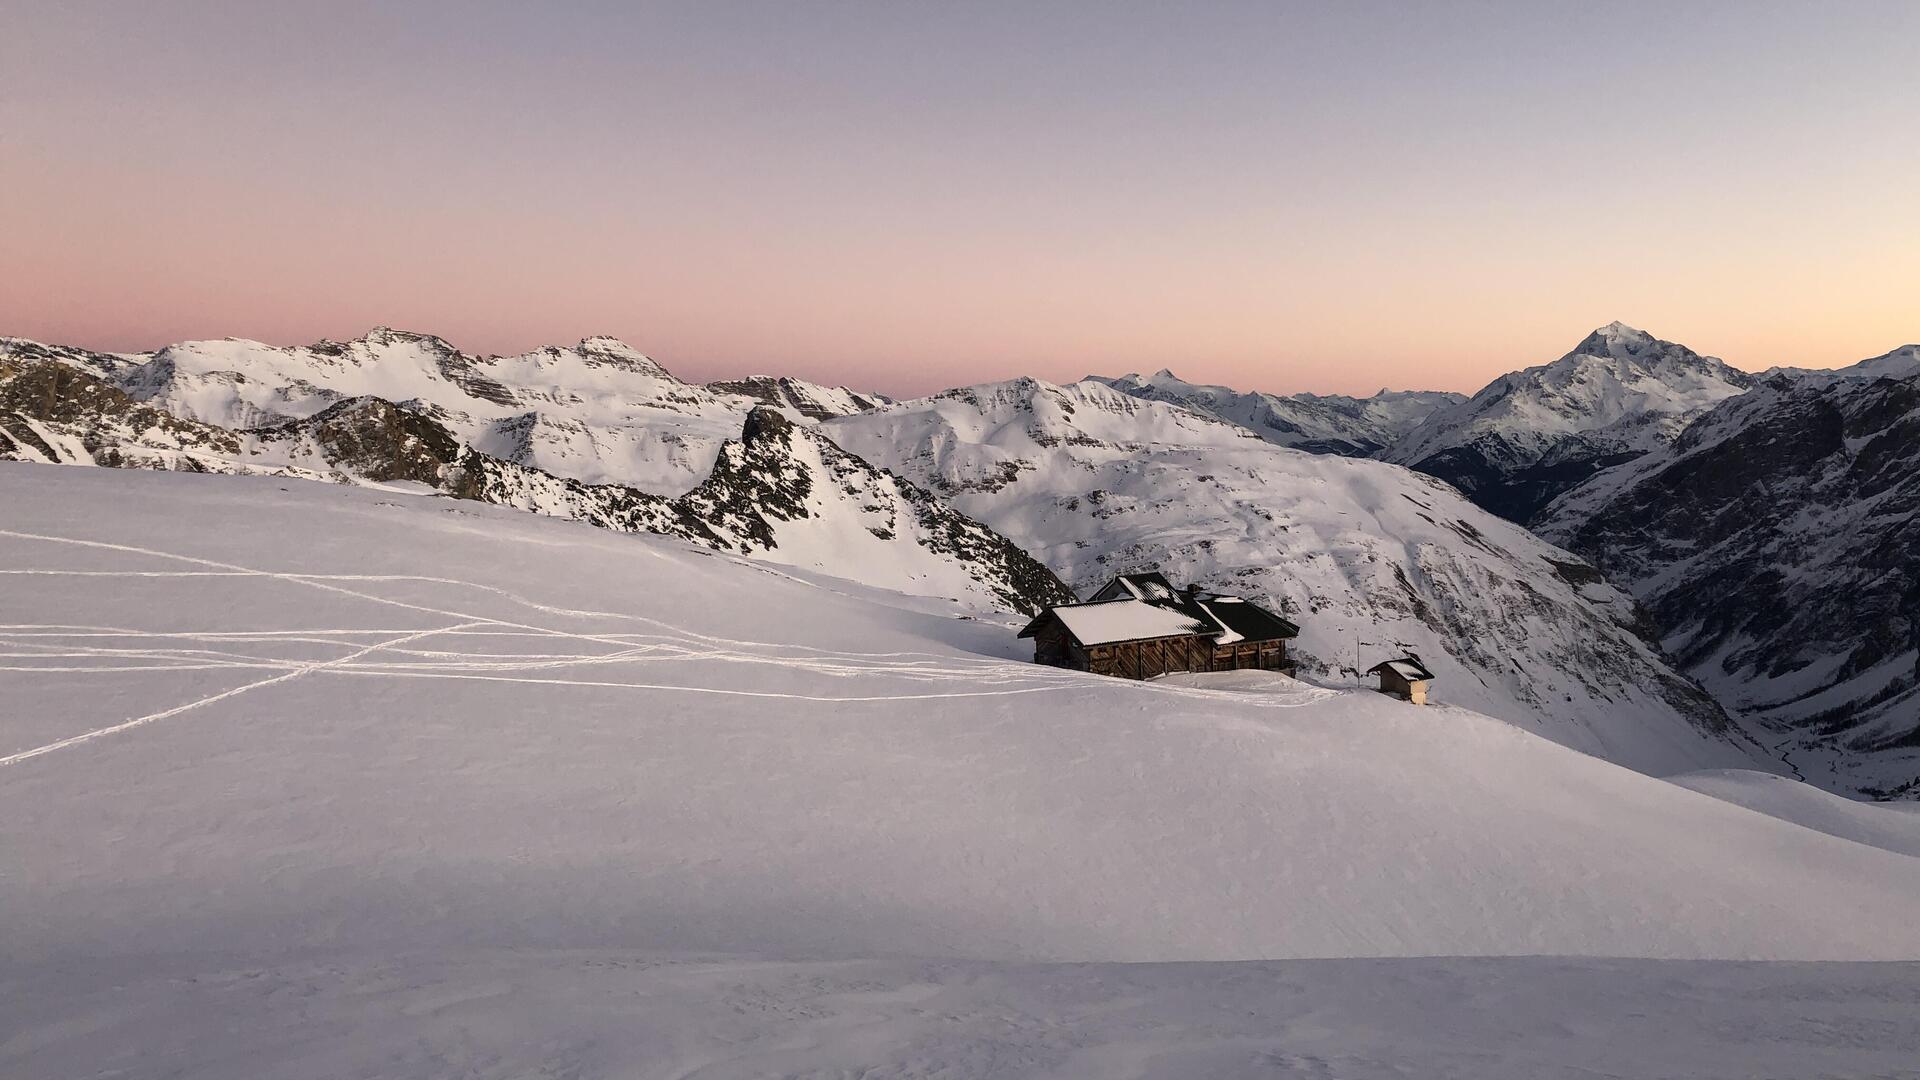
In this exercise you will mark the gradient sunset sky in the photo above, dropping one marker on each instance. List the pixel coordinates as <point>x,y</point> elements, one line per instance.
<point>905,197</point>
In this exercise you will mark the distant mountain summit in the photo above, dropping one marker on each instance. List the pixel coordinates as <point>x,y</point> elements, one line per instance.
<point>1318,423</point>
<point>1531,435</point>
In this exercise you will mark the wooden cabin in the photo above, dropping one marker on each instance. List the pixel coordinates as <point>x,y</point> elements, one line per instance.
<point>1406,677</point>
<point>1138,626</point>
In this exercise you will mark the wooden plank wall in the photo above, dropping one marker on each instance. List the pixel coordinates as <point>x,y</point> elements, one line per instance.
<point>1145,659</point>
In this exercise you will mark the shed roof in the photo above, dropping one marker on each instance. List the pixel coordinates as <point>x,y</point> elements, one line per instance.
<point>1408,667</point>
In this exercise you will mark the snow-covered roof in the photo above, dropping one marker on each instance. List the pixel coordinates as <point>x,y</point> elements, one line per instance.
<point>1228,619</point>
<point>1408,668</point>
<point>1126,620</point>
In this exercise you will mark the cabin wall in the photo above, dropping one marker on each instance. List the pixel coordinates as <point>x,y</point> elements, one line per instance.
<point>1055,648</point>
<point>1250,656</point>
<point>1146,659</point>
<point>1158,656</point>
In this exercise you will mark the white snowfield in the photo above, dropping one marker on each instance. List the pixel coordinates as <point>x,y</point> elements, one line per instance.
<point>303,780</point>
<point>1894,826</point>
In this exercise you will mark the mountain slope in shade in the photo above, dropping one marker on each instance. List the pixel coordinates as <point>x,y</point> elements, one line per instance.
<point>1320,423</point>
<point>598,411</point>
<point>1372,560</point>
<point>1531,435</point>
<point>1777,542</point>
<point>780,492</point>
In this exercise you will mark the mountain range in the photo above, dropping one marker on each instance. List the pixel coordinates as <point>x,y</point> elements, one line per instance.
<point>1720,570</point>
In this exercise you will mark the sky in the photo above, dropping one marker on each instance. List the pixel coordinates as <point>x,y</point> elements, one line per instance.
<point>904,197</point>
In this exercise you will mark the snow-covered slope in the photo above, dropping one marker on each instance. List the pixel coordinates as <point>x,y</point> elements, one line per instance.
<point>260,718</point>
<point>780,492</point>
<point>1777,545</point>
<point>1322,423</point>
<point>1532,434</point>
<point>1894,826</point>
<point>598,412</point>
<point>1371,559</point>
<point>404,787</point>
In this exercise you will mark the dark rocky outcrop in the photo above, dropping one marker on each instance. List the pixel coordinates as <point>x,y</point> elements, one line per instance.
<point>1777,545</point>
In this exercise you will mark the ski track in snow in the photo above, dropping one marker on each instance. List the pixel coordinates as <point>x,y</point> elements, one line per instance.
<point>24,643</point>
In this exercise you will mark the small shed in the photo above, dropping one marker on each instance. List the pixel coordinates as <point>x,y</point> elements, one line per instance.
<point>1406,677</point>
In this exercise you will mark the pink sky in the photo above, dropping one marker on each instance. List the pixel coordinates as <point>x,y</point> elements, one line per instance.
<point>905,199</point>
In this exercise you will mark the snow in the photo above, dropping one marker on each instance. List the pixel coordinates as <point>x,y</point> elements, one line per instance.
<point>308,780</point>
<point>1892,826</point>
<point>1125,620</point>
<point>618,1013</point>
<point>1406,670</point>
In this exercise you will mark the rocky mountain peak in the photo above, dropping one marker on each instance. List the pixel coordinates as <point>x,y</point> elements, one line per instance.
<point>387,336</point>
<point>1634,351</point>
<point>611,350</point>
<point>1615,339</point>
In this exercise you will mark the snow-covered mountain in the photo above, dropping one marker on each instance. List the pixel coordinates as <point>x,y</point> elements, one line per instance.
<point>598,412</point>
<point>1777,544</point>
<point>1901,363</point>
<point>1321,423</point>
<point>1531,435</point>
<point>778,491</point>
<point>1372,560</point>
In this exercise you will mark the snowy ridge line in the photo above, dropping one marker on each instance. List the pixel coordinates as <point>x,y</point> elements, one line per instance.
<point>140,721</point>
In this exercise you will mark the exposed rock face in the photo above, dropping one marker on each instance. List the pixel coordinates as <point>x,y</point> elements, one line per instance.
<point>54,412</point>
<point>1777,542</point>
<point>1372,560</point>
<point>1317,423</point>
<point>1532,435</point>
